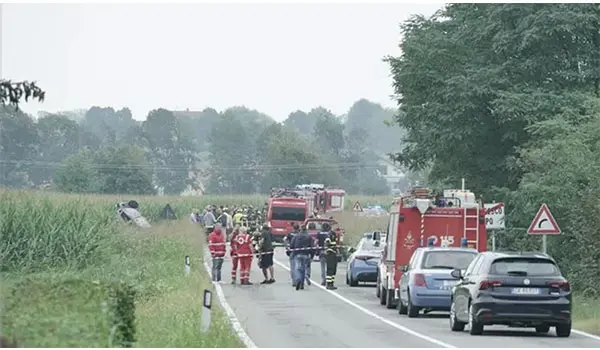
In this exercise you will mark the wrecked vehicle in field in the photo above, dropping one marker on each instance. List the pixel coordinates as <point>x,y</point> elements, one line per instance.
<point>128,212</point>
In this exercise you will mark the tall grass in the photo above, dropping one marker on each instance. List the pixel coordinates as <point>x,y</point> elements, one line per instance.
<point>58,254</point>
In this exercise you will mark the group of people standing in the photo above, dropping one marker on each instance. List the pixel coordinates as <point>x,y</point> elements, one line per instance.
<point>301,248</point>
<point>243,247</point>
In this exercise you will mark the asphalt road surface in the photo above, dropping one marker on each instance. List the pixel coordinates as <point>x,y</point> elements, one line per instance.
<point>277,315</point>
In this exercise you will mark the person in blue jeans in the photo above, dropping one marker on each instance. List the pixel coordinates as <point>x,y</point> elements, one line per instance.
<point>288,240</point>
<point>301,248</point>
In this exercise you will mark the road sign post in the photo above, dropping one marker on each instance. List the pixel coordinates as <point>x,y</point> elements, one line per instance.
<point>357,208</point>
<point>206,311</point>
<point>494,220</point>
<point>544,224</point>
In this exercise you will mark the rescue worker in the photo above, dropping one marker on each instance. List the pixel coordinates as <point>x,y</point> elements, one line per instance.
<point>217,248</point>
<point>320,238</point>
<point>233,254</point>
<point>237,217</point>
<point>331,253</point>
<point>301,247</point>
<point>288,241</point>
<point>243,248</point>
<point>316,214</point>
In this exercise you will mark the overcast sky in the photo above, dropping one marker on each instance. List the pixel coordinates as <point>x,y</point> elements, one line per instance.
<point>275,58</point>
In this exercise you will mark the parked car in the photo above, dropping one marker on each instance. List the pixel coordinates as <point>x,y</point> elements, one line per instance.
<point>514,289</point>
<point>426,283</point>
<point>363,262</point>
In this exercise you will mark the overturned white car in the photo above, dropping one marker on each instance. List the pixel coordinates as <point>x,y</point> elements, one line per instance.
<point>128,212</point>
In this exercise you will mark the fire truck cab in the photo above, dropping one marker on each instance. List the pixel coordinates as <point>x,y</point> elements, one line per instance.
<point>452,219</point>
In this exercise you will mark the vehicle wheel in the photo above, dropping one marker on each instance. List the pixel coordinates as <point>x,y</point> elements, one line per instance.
<point>402,310</point>
<point>411,310</point>
<point>455,324</point>
<point>377,290</point>
<point>353,282</point>
<point>563,330</point>
<point>542,329</point>
<point>383,296</point>
<point>389,304</point>
<point>475,328</point>
<point>347,280</point>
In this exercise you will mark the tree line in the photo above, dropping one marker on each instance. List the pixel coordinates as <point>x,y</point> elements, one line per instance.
<point>238,150</point>
<point>508,97</point>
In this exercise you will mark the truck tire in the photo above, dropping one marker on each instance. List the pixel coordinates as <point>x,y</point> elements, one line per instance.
<point>377,290</point>
<point>383,296</point>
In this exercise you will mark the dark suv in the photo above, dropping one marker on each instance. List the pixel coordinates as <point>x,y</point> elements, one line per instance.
<point>514,289</point>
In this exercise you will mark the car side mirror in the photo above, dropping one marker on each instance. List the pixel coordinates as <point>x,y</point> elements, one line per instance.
<point>351,250</point>
<point>403,268</point>
<point>456,273</point>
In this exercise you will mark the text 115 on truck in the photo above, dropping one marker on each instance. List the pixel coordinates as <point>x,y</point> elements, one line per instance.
<point>418,217</point>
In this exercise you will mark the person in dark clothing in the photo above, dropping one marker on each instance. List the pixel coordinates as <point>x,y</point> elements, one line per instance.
<point>288,240</point>
<point>331,253</point>
<point>266,252</point>
<point>321,237</point>
<point>301,247</point>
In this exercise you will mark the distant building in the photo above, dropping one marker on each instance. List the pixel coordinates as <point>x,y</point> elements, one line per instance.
<point>392,173</point>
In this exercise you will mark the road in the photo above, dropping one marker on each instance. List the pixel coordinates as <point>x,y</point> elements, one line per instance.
<point>278,316</point>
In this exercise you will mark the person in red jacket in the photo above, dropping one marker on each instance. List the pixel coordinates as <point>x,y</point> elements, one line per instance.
<point>243,248</point>
<point>216,245</point>
<point>233,253</point>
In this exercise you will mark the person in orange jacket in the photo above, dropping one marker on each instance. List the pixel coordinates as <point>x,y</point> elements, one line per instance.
<point>242,244</point>
<point>233,253</point>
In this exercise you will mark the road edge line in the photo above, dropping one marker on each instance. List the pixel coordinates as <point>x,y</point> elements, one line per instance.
<point>233,320</point>
<point>586,334</point>
<point>374,315</point>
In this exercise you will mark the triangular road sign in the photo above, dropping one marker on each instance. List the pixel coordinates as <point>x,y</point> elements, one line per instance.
<point>357,207</point>
<point>544,223</point>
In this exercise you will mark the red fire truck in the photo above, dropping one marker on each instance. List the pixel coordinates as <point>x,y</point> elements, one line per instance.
<point>283,212</point>
<point>453,219</point>
<point>324,200</point>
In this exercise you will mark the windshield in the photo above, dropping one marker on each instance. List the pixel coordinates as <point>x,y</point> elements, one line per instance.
<point>367,246</point>
<point>288,214</point>
<point>524,267</point>
<point>447,259</point>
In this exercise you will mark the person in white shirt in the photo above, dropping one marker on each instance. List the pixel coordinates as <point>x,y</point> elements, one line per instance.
<point>195,217</point>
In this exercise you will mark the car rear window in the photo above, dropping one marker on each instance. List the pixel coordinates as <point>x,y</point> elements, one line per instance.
<point>447,259</point>
<point>524,267</point>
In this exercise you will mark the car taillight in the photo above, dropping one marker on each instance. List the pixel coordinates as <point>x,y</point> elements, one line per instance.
<point>420,280</point>
<point>489,284</point>
<point>562,285</point>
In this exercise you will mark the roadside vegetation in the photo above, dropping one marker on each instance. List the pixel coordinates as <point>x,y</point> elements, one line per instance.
<point>62,257</point>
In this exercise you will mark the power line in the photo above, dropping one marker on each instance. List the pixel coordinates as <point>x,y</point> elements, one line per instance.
<point>245,168</point>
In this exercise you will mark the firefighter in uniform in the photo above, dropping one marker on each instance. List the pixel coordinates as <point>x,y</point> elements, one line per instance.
<point>331,253</point>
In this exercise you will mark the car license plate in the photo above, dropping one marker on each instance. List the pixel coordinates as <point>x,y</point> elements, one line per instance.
<point>448,284</point>
<point>525,291</point>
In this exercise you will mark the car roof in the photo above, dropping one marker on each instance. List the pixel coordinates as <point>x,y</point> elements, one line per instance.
<point>448,249</point>
<point>538,255</point>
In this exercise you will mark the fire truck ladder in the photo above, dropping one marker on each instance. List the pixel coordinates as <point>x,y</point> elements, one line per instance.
<point>471,211</point>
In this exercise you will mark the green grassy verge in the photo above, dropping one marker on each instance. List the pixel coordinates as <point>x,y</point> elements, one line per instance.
<point>57,271</point>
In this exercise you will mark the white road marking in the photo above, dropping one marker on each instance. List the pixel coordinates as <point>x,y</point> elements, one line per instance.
<point>585,334</point>
<point>371,313</point>
<point>235,323</point>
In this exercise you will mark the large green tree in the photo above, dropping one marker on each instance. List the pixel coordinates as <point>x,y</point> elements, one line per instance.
<point>473,77</point>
